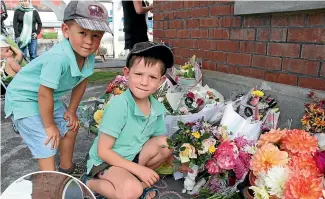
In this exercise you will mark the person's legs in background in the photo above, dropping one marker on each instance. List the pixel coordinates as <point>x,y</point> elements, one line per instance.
<point>24,50</point>
<point>32,48</point>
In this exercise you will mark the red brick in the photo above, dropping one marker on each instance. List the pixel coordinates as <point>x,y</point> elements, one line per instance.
<point>251,72</point>
<point>190,4</point>
<point>170,33</point>
<point>278,34</point>
<point>158,17</point>
<point>228,46</point>
<point>322,70</point>
<point>314,52</point>
<point>200,12</point>
<point>239,58</point>
<point>313,83</point>
<point>165,7</point>
<point>263,34</point>
<point>284,20</point>
<point>192,23</point>
<point>300,66</point>
<point>285,50</point>
<point>190,43</point>
<point>219,34</point>
<point>281,78</point>
<point>158,33</point>
<point>171,15</point>
<point>230,22</point>
<point>272,63</point>
<point>199,53</point>
<point>209,22</point>
<point>209,65</point>
<point>242,34</point>
<point>217,56</point>
<point>203,3</point>
<point>183,14</point>
<point>316,35</point>
<point>166,25</point>
<point>220,10</point>
<point>199,34</point>
<point>253,47</point>
<point>256,21</point>
<point>175,24</point>
<point>316,19</point>
<point>184,33</point>
<point>156,25</point>
<point>174,5</point>
<point>176,42</point>
<point>207,45</point>
<point>180,60</point>
<point>224,68</point>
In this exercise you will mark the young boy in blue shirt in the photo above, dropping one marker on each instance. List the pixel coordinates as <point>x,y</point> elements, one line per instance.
<point>130,144</point>
<point>32,98</point>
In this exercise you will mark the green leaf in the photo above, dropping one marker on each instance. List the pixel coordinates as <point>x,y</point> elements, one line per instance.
<point>191,164</point>
<point>182,148</point>
<point>163,146</point>
<point>205,136</point>
<point>180,124</point>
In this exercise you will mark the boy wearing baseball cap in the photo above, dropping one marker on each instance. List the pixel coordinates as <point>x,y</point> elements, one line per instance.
<point>32,98</point>
<point>131,136</point>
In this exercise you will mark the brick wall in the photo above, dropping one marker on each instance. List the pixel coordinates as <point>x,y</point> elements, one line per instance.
<point>284,48</point>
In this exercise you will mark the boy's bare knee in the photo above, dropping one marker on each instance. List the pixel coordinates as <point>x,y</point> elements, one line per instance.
<point>164,152</point>
<point>71,134</point>
<point>131,190</point>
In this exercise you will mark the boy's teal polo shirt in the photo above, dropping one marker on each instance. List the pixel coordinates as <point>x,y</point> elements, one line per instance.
<point>124,121</point>
<point>56,69</point>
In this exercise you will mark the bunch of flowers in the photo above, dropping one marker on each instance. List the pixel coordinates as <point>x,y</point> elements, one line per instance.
<point>188,69</point>
<point>191,103</point>
<point>314,119</point>
<point>193,142</point>
<point>117,86</point>
<point>285,166</point>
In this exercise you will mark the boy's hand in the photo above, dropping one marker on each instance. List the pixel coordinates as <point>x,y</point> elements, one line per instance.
<point>53,135</point>
<point>72,117</point>
<point>147,175</point>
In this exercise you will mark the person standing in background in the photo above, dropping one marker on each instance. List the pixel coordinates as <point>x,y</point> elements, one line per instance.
<point>4,16</point>
<point>135,25</point>
<point>27,25</point>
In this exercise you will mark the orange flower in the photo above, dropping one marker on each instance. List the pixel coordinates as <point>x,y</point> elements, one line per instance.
<point>266,157</point>
<point>319,122</point>
<point>304,165</point>
<point>305,120</point>
<point>273,136</point>
<point>300,187</point>
<point>299,141</point>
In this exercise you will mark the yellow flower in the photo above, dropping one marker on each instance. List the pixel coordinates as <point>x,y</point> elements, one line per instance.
<point>196,134</point>
<point>257,93</point>
<point>212,149</point>
<point>185,67</point>
<point>98,115</point>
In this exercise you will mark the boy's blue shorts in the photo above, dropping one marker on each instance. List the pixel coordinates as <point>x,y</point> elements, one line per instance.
<point>33,133</point>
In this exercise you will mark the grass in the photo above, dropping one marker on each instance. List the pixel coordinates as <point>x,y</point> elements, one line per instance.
<point>102,76</point>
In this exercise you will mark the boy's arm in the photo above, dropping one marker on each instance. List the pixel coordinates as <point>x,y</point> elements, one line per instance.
<point>19,54</point>
<point>13,65</point>
<point>46,106</point>
<point>139,9</point>
<point>76,95</point>
<point>105,152</point>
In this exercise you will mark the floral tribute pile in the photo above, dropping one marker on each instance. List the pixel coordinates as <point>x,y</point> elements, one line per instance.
<point>287,164</point>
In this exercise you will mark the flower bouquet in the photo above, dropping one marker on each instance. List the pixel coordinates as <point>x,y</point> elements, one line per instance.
<point>314,119</point>
<point>116,87</point>
<point>193,143</point>
<point>284,166</point>
<point>229,165</point>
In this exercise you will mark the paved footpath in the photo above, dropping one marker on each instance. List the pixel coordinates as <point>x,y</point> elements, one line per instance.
<point>17,161</point>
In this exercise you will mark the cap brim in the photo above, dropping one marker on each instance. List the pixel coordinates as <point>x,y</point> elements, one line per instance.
<point>92,24</point>
<point>4,45</point>
<point>157,51</point>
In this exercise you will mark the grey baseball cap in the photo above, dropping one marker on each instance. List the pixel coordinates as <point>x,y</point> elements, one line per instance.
<point>90,15</point>
<point>152,49</point>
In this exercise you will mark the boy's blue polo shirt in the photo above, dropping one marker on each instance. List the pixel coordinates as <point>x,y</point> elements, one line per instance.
<point>56,69</point>
<point>124,121</point>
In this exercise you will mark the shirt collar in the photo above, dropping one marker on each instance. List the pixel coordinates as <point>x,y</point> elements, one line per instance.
<point>88,67</point>
<point>156,107</point>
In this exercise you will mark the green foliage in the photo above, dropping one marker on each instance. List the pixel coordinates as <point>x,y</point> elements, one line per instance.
<point>50,35</point>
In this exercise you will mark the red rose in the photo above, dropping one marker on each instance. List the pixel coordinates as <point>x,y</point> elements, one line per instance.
<point>199,102</point>
<point>190,95</point>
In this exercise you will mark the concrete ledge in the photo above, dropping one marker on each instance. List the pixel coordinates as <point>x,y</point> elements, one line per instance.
<point>291,99</point>
<point>255,7</point>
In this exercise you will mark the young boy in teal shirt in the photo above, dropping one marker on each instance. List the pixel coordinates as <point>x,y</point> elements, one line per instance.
<point>32,98</point>
<point>131,136</point>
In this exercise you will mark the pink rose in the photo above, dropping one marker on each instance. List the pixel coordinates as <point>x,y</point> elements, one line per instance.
<point>320,160</point>
<point>212,166</point>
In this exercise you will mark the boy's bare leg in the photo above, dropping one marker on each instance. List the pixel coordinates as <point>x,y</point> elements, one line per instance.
<point>66,148</point>
<point>153,154</point>
<point>47,164</point>
<point>116,183</point>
